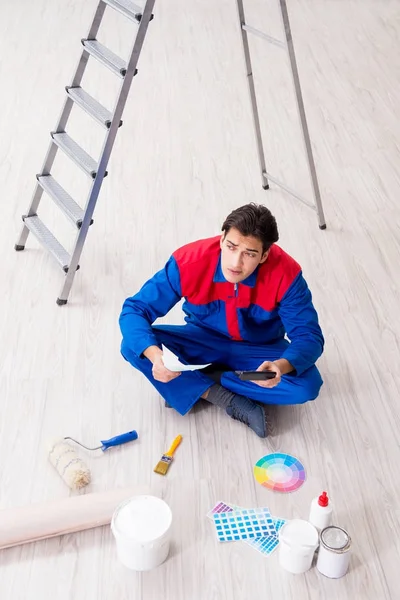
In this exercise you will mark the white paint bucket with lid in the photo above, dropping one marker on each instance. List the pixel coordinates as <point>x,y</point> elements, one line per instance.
<point>141,527</point>
<point>298,541</point>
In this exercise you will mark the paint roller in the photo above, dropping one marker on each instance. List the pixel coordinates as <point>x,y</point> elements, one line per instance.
<point>37,522</point>
<point>71,468</point>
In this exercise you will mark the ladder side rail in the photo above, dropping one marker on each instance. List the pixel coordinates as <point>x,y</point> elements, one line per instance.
<point>106,151</point>
<point>253,97</point>
<point>302,114</point>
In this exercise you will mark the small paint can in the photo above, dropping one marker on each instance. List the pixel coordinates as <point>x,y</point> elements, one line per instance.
<point>334,552</point>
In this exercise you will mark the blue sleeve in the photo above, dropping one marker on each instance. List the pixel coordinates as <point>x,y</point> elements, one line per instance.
<point>155,299</point>
<point>300,321</point>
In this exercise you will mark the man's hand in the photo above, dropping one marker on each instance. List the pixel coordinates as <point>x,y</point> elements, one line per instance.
<point>279,367</point>
<point>160,371</point>
<point>269,366</point>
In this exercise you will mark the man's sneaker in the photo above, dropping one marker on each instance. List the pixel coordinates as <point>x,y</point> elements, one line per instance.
<point>248,412</point>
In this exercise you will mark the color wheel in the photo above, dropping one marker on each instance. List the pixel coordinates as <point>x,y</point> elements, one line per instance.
<point>280,472</point>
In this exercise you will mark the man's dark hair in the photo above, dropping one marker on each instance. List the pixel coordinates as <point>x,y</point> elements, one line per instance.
<point>253,220</point>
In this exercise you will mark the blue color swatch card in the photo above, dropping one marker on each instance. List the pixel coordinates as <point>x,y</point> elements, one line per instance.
<point>243,524</point>
<point>265,544</point>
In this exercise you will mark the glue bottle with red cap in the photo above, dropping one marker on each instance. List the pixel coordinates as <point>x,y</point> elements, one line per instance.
<point>321,512</point>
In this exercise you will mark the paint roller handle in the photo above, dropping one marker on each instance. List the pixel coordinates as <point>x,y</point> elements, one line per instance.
<point>120,439</point>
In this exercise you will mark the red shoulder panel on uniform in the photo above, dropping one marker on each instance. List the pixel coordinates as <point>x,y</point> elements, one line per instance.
<point>274,278</point>
<point>197,262</point>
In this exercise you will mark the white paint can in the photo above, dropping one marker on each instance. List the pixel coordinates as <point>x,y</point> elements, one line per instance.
<point>298,541</point>
<point>334,552</point>
<point>141,527</point>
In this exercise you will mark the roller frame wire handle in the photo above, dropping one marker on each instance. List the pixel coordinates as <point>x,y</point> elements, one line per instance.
<point>117,440</point>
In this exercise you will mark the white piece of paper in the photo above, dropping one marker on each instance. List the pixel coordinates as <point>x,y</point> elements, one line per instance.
<point>172,362</point>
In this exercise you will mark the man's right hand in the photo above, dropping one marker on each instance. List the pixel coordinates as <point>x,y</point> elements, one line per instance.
<point>160,371</point>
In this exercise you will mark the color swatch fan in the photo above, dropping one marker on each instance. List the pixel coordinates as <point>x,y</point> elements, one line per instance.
<point>280,472</point>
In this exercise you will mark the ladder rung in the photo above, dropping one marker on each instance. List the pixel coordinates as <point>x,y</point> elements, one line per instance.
<point>263,35</point>
<point>48,241</point>
<point>127,8</point>
<point>288,190</point>
<point>76,153</point>
<point>91,106</point>
<point>105,56</point>
<point>67,204</point>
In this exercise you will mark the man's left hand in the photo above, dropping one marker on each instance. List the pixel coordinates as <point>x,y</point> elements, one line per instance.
<point>269,366</point>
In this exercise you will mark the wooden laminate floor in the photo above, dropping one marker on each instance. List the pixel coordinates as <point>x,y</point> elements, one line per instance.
<point>183,159</point>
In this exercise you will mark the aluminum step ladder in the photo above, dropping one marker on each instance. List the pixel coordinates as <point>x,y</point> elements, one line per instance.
<point>60,140</point>
<point>288,46</point>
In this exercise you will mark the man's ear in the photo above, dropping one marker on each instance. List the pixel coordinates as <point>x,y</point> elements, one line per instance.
<point>221,241</point>
<point>264,257</point>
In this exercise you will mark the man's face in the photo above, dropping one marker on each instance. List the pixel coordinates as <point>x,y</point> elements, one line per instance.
<point>240,255</point>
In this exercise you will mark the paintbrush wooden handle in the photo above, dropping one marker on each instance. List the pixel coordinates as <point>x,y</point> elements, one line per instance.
<point>174,445</point>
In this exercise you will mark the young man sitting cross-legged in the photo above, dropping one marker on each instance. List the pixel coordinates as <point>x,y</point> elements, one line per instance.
<point>243,296</point>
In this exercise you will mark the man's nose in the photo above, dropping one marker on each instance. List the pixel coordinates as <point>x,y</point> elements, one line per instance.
<point>237,260</point>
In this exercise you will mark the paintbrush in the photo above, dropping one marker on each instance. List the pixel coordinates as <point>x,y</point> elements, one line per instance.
<point>163,465</point>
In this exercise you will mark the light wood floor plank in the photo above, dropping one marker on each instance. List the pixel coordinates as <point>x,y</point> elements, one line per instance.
<point>183,159</point>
